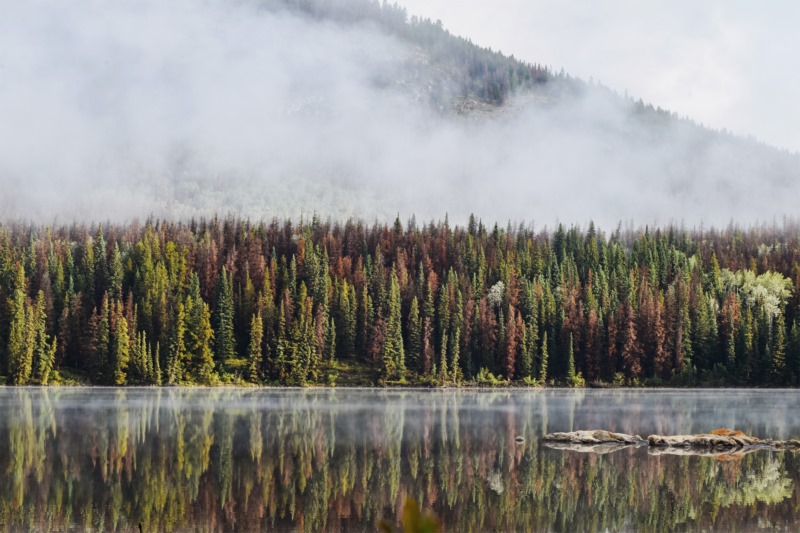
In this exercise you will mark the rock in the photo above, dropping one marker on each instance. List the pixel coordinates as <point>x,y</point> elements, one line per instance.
<point>596,436</point>
<point>520,439</point>
<point>721,439</point>
<point>722,443</point>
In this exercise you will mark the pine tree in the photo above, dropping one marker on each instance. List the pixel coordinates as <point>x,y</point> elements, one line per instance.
<point>427,348</point>
<point>529,350</point>
<point>179,358</point>
<point>443,375</point>
<point>330,340</point>
<point>510,349</point>
<point>393,347</point>
<point>223,318</point>
<point>778,363</point>
<point>45,351</point>
<point>377,351</point>
<point>631,352</point>
<point>414,336</point>
<point>254,350</point>
<point>793,354</point>
<point>544,359</point>
<point>20,347</point>
<point>571,375</point>
<point>280,363</point>
<point>199,336</point>
<point>116,274</point>
<point>455,350</point>
<point>120,350</point>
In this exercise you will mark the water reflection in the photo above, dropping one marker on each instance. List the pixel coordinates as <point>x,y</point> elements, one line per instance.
<point>233,459</point>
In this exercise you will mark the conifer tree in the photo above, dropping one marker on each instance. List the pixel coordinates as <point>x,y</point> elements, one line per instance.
<point>157,376</point>
<point>116,274</point>
<point>455,351</point>
<point>45,350</point>
<point>571,375</point>
<point>254,350</point>
<point>510,348</point>
<point>120,351</point>
<point>20,347</point>
<point>281,371</point>
<point>225,340</point>
<point>199,336</point>
<point>793,354</point>
<point>330,340</point>
<point>631,352</point>
<point>179,358</point>
<point>427,348</point>
<point>393,347</point>
<point>778,363</point>
<point>414,336</point>
<point>443,375</point>
<point>543,361</point>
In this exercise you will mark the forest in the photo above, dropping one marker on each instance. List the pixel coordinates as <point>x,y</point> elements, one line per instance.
<point>229,301</point>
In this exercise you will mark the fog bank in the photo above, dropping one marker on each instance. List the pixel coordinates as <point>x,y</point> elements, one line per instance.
<point>116,110</point>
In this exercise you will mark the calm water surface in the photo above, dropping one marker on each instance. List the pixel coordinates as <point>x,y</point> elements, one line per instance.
<point>342,460</point>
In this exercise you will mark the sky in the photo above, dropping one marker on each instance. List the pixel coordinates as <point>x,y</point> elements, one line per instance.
<point>725,63</point>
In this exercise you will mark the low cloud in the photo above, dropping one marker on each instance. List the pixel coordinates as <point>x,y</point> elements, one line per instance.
<point>118,110</point>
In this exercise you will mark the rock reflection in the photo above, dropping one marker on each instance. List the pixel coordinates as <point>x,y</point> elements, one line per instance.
<point>239,459</point>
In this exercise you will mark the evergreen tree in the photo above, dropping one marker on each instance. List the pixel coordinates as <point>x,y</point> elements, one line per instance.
<point>393,347</point>
<point>179,358</point>
<point>254,351</point>
<point>443,374</point>
<point>199,336</point>
<point>20,347</point>
<point>223,318</point>
<point>414,336</point>
<point>778,363</point>
<point>571,374</point>
<point>45,350</point>
<point>120,352</point>
<point>543,362</point>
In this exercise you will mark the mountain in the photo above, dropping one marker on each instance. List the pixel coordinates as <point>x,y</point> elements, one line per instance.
<point>342,108</point>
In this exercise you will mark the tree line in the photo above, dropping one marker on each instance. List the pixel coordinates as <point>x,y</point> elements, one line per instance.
<point>228,300</point>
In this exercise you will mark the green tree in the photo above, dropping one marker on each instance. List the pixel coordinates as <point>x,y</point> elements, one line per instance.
<point>121,350</point>
<point>393,351</point>
<point>20,336</point>
<point>414,336</point>
<point>178,358</point>
<point>543,360</point>
<point>254,350</point>
<point>223,318</point>
<point>199,336</point>
<point>44,350</point>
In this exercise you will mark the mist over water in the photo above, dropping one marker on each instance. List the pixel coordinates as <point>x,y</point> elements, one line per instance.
<point>120,110</point>
<point>287,459</point>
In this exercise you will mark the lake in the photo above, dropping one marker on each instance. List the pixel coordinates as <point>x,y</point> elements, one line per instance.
<point>316,460</point>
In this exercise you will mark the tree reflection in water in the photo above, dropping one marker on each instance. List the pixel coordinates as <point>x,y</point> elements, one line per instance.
<point>312,460</point>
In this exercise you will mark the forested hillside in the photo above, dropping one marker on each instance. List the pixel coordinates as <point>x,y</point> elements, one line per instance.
<point>226,300</point>
<point>466,69</point>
